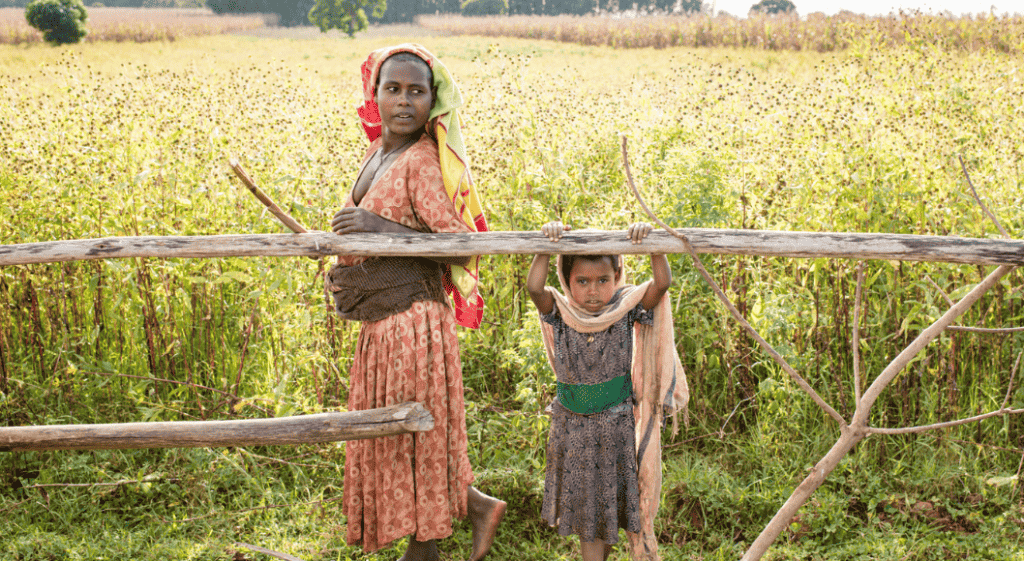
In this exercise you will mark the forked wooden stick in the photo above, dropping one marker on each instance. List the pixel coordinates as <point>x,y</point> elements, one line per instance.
<point>281,215</point>
<point>857,429</point>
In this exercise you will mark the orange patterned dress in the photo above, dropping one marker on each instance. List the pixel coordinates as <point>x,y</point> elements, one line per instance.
<point>401,485</point>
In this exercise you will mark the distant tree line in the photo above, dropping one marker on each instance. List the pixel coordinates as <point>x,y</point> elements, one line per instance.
<point>291,12</point>
<point>119,3</point>
<point>296,12</point>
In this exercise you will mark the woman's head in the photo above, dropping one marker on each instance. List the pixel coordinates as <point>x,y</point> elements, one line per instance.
<point>591,279</point>
<point>404,94</point>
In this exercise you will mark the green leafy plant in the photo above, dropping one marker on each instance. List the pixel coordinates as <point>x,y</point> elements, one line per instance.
<point>346,15</point>
<point>61,21</point>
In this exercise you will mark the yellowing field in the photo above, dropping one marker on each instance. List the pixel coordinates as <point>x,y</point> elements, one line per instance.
<point>813,32</point>
<point>134,25</point>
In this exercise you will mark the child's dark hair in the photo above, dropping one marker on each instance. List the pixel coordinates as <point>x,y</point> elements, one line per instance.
<point>569,260</point>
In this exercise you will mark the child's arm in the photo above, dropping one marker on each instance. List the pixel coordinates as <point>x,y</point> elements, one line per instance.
<point>537,279</point>
<point>659,268</point>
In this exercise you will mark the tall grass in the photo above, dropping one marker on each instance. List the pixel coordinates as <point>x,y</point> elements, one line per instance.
<point>816,32</point>
<point>134,24</point>
<point>101,145</point>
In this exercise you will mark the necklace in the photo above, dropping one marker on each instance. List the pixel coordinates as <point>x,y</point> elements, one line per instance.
<point>382,157</point>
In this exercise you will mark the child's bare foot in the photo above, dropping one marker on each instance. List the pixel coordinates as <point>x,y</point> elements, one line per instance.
<point>485,513</point>
<point>595,550</point>
<point>421,551</point>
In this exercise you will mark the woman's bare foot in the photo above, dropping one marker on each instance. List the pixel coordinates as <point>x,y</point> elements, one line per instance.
<point>485,513</point>
<point>421,551</point>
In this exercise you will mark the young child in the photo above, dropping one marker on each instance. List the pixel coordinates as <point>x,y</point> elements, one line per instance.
<point>593,485</point>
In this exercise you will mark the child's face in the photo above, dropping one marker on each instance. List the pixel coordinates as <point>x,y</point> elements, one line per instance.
<point>404,97</point>
<point>592,283</point>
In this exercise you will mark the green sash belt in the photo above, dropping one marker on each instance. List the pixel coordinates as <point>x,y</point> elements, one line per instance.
<point>587,399</point>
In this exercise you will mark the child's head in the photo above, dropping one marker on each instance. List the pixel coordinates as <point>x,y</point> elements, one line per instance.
<point>591,279</point>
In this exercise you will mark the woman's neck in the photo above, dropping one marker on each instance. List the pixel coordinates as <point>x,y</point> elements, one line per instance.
<point>391,142</point>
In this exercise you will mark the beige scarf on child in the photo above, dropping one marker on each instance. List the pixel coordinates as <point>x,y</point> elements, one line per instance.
<point>659,386</point>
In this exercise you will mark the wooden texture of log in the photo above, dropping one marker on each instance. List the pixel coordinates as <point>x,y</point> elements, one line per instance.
<point>900,247</point>
<point>302,429</point>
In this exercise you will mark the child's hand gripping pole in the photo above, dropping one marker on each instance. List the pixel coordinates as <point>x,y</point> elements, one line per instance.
<point>281,215</point>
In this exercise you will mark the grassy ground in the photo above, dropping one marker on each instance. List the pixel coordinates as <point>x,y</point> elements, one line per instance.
<point>109,141</point>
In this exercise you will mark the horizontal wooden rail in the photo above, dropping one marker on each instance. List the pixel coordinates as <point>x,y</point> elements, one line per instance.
<point>901,247</point>
<point>302,429</point>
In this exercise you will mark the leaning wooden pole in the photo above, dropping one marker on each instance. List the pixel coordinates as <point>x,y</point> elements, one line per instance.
<point>262,197</point>
<point>769,243</point>
<point>322,427</point>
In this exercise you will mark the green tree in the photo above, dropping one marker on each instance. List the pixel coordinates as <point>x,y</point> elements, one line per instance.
<point>484,7</point>
<point>346,15</point>
<point>292,12</point>
<point>401,11</point>
<point>238,6</point>
<point>773,7</point>
<point>690,7</point>
<point>61,21</point>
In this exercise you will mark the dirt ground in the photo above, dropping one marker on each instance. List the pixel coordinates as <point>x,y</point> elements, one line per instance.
<point>311,32</point>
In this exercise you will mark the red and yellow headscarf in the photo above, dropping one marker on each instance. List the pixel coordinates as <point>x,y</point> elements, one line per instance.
<point>444,125</point>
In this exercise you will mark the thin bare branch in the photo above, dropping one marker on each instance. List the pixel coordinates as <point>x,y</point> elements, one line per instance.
<point>991,216</point>
<point>1013,374</point>
<point>244,510</point>
<point>104,484</point>
<point>163,380</point>
<point>987,330</point>
<point>945,425</point>
<point>13,506</point>
<point>939,288</point>
<point>980,444</point>
<point>266,551</point>
<point>688,440</point>
<point>856,331</point>
<point>721,431</point>
<point>725,299</point>
<point>1019,466</point>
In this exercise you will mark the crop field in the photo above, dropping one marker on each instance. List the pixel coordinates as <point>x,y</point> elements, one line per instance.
<point>98,140</point>
<point>815,32</point>
<point>134,24</point>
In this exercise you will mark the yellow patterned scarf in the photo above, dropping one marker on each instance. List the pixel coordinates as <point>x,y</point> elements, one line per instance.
<point>461,283</point>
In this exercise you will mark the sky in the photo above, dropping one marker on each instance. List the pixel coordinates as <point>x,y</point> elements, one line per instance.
<point>881,7</point>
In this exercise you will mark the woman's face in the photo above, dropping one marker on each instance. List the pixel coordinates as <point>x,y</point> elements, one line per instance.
<point>404,97</point>
<point>592,283</point>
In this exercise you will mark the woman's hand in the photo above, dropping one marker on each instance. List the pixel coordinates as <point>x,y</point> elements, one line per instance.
<point>553,230</point>
<point>638,231</point>
<point>351,220</point>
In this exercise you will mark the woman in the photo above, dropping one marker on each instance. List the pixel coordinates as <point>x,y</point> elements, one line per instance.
<point>413,179</point>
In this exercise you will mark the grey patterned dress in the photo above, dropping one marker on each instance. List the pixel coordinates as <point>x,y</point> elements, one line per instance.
<point>590,488</point>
